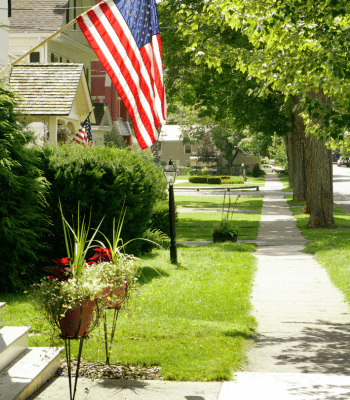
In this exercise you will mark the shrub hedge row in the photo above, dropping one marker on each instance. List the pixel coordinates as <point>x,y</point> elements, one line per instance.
<point>102,181</point>
<point>216,180</point>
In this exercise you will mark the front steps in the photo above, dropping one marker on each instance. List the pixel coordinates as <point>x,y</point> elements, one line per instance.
<point>23,370</point>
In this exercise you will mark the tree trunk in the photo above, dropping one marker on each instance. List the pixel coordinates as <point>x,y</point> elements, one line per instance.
<point>319,178</point>
<point>288,142</point>
<point>298,154</point>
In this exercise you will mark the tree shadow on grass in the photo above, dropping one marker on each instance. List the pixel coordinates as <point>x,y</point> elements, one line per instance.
<point>245,335</point>
<point>147,274</point>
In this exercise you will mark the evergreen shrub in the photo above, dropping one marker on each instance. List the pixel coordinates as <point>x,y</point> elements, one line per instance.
<point>184,171</point>
<point>198,179</point>
<point>205,171</point>
<point>22,203</point>
<point>256,172</point>
<point>214,180</point>
<point>101,180</point>
<point>159,219</point>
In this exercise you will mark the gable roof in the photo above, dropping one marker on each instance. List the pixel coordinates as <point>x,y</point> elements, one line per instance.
<point>38,15</point>
<point>46,89</point>
<point>170,133</point>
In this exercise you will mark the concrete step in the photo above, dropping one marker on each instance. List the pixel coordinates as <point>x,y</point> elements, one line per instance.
<point>13,341</point>
<point>30,370</point>
<point>2,304</point>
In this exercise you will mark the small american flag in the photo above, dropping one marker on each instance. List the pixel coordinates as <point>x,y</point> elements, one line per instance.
<point>124,34</point>
<point>84,136</point>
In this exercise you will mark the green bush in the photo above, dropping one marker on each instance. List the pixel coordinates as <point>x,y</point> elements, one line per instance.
<point>256,171</point>
<point>235,180</point>
<point>101,180</point>
<point>183,171</point>
<point>22,204</point>
<point>154,238</point>
<point>198,179</point>
<point>160,217</point>
<point>205,171</point>
<point>214,180</point>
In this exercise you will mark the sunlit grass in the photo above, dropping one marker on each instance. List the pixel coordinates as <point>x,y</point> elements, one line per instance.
<point>331,247</point>
<point>198,225</point>
<point>193,319</point>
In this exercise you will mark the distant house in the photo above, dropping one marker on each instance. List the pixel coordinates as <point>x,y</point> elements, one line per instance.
<point>186,155</point>
<point>54,98</point>
<point>172,147</point>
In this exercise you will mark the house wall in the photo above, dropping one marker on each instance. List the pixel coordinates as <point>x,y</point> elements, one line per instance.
<point>175,150</point>
<point>4,23</point>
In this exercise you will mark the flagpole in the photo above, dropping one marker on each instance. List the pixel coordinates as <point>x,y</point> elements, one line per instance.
<point>45,41</point>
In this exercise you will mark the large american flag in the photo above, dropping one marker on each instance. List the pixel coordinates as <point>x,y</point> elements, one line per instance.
<point>125,37</point>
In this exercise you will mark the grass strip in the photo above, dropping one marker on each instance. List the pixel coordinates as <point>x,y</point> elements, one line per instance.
<point>193,320</point>
<point>331,247</point>
<point>198,225</point>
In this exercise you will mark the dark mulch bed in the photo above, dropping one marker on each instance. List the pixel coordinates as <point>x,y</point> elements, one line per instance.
<point>100,370</point>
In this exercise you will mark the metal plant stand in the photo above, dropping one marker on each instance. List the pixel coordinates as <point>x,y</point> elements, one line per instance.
<point>108,345</point>
<point>68,358</point>
<point>81,337</point>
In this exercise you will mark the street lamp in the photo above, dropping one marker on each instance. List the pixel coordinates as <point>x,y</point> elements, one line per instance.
<point>170,176</point>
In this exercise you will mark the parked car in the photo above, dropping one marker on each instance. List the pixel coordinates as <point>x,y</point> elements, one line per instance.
<point>271,168</point>
<point>335,157</point>
<point>343,161</point>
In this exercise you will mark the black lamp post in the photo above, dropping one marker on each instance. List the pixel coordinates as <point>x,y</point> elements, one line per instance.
<point>170,176</point>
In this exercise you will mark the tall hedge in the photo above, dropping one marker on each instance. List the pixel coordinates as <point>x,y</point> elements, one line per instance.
<point>100,180</point>
<point>22,201</point>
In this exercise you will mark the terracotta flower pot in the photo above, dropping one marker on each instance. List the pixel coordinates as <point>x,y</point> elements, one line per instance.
<point>114,298</point>
<point>221,237</point>
<point>76,322</point>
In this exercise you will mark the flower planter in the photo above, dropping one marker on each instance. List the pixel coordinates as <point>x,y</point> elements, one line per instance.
<point>114,298</point>
<point>222,237</point>
<point>76,322</point>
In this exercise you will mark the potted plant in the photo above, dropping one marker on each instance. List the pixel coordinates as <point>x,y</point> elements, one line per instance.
<point>225,230</point>
<point>68,296</point>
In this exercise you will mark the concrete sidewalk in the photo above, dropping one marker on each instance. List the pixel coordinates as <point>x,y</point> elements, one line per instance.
<point>302,351</point>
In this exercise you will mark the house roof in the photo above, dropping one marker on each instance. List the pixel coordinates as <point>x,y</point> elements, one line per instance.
<point>170,133</point>
<point>46,89</point>
<point>38,15</point>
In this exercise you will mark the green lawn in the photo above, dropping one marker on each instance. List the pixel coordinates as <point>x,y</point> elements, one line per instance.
<point>198,225</point>
<point>244,202</point>
<point>192,320</point>
<point>330,246</point>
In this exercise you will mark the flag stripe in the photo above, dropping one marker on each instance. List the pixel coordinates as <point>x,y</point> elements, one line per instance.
<point>123,63</point>
<point>135,70</point>
<point>130,56</point>
<point>112,69</point>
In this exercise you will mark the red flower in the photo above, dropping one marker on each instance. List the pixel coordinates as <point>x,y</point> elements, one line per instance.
<point>61,272</point>
<point>101,254</point>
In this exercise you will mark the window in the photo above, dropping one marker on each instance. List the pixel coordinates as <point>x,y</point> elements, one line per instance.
<point>54,58</point>
<point>188,148</point>
<point>34,57</point>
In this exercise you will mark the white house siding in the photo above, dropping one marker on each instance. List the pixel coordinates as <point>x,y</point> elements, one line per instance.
<point>4,29</point>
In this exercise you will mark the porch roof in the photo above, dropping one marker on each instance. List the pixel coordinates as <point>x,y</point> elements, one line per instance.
<point>50,89</point>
